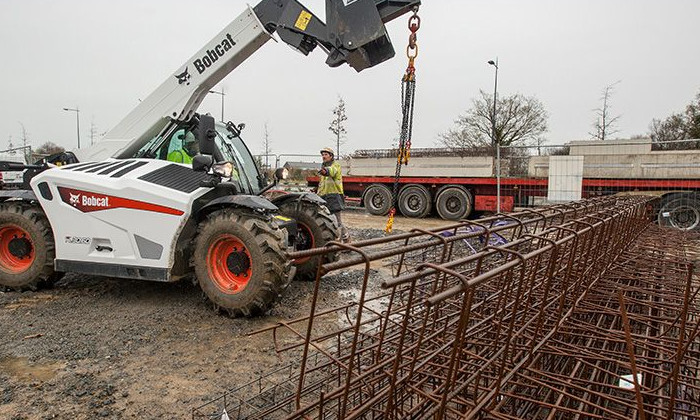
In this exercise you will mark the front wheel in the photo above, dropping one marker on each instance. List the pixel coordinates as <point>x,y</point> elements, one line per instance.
<point>414,201</point>
<point>240,263</point>
<point>680,211</point>
<point>27,248</point>
<point>454,203</point>
<point>378,199</point>
<point>316,227</point>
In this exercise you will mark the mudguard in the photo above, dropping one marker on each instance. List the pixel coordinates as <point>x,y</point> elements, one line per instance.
<point>252,202</point>
<point>24,195</point>
<point>304,196</point>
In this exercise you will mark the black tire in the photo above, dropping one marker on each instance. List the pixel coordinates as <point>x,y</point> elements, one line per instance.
<point>377,199</point>
<point>27,248</point>
<point>243,281</point>
<point>414,201</point>
<point>680,211</point>
<point>316,227</point>
<point>454,203</point>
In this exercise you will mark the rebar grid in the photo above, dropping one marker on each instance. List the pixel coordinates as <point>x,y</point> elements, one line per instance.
<point>528,327</point>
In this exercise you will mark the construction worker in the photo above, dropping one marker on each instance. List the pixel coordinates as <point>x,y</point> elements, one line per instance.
<point>183,147</point>
<point>330,188</point>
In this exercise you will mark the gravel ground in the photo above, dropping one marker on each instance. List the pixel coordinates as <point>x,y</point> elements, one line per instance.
<point>105,348</point>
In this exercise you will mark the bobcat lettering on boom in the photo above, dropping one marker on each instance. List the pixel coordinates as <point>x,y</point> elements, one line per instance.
<point>205,62</point>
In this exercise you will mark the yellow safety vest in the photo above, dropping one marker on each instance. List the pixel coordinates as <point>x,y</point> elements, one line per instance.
<point>333,183</point>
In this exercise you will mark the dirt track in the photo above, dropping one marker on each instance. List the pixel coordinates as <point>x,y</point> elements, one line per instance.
<point>104,348</point>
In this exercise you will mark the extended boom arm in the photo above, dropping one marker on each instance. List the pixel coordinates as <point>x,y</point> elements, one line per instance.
<point>354,34</point>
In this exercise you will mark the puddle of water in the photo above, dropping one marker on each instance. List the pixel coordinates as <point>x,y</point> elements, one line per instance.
<point>20,369</point>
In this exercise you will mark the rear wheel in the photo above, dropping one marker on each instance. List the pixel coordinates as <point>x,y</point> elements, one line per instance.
<point>680,211</point>
<point>414,201</point>
<point>316,227</point>
<point>27,249</point>
<point>377,199</point>
<point>240,263</point>
<point>454,203</point>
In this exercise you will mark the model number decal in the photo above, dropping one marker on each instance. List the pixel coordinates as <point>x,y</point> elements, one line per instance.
<point>77,240</point>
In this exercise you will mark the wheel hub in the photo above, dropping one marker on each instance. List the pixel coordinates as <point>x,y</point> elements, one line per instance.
<point>16,249</point>
<point>19,247</point>
<point>453,205</point>
<point>238,262</point>
<point>684,217</point>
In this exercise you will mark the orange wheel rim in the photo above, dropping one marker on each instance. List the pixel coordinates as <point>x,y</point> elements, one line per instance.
<point>229,263</point>
<point>307,242</point>
<point>16,249</point>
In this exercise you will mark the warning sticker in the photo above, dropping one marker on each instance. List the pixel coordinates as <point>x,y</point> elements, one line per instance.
<point>303,20</point>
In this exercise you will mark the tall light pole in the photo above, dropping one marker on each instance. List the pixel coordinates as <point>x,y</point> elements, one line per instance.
<point>77,120</point>
<point>495,138</point>
<point>222,100</point>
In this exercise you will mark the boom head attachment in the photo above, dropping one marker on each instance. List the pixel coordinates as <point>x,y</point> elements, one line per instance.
<point>354,32</point>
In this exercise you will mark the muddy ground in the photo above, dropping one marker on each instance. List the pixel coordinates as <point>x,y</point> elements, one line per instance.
<point>94,347</point>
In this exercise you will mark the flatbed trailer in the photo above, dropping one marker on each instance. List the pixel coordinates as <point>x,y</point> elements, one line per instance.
<point>589,170</point>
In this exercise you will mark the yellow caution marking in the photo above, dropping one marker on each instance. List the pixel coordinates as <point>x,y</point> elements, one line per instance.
<point>282,218</point>
<point>303,20</point>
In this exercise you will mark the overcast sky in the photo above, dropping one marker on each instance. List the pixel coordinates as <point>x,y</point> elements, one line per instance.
<point>103,56</point>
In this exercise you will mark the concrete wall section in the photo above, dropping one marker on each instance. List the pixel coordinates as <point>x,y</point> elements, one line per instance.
<point>446,166</point>
<point>565,178</point>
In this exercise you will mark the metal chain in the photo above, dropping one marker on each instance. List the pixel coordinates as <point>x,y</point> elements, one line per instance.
<point>408,89</point>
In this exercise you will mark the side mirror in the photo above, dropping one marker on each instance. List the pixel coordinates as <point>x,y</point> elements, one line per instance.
<point>202,163</point>
<point>281,173</point>
<point>206,135</point>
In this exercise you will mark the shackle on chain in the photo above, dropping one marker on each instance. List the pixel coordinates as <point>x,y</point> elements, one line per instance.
<point>412,48</point>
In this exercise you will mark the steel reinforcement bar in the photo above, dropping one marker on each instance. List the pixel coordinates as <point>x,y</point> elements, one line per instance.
<point>518,317</point>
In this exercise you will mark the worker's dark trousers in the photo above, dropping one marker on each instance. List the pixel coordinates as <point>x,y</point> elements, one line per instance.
<point>344,236</point>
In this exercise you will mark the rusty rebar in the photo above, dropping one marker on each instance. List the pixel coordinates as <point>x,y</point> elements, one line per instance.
<point>542,314</point>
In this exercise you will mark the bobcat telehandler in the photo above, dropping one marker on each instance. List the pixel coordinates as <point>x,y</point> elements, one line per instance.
<point>121,209</point>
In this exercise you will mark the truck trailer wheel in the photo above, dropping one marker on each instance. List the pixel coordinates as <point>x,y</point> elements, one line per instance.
<point>316,227</point>
<point>377,199</point>
<point>27,249</point>
<point>680,211</point>
<point>453,203</point>
<point>240,263</point>
<point>414,201</point>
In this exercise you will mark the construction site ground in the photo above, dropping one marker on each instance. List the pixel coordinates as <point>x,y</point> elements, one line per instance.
<point>95,347</point>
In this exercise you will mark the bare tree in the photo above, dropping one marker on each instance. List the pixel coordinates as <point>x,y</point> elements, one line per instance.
<point>337,126</point>
<point>10,145</point>
<point>267,146</point>
<point>93,131</point>
<point>679,126</point>
<point>604,126</point>
<point>48,148</point>
<point>519,120</point>
<point>25,143</point>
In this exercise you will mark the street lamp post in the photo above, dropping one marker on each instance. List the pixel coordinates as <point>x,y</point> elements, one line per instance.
<point>77,120</point>
<point>222,100</point>
<point>495,139</point>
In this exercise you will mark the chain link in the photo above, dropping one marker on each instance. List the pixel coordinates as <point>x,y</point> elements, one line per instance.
<point>408,89</point>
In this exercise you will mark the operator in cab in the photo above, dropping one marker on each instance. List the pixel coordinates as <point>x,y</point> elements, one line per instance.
<point>330,188</point>
<point>183,147</point>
